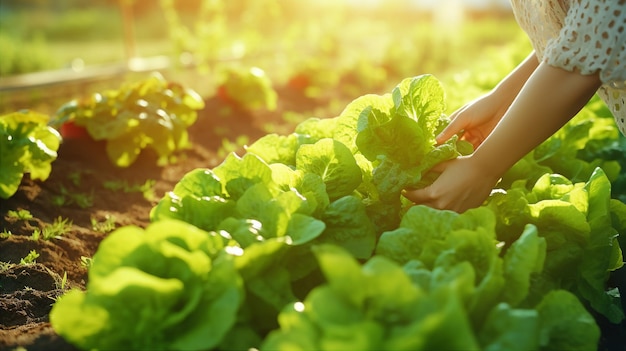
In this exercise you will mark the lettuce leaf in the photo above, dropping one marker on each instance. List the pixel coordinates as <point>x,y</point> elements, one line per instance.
<point>334,163</point>
<point>170,286</point>
<point>27,145</point>
<point>151,113</point>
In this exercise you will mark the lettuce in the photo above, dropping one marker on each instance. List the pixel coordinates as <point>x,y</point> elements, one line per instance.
<point>170,286</point>
<point>249,88</point>
<point>370,307</point>
<point>402,140</point>
<point>152,113</point>
<point>334,163</point>
<point>27,145</point>
<point>576,221</point>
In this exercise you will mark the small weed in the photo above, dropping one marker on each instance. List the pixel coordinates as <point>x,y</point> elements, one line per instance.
<point>30,258</point>
<point>19,214</point>
<point>146,189</point>
<point>230,146</point>
<point>105,226</point>
<point>5,234</point>
<point>86,261</point>
<point>58,228</point>
<point>62,283</point>
<point>75,177</point>
<point>5,266</point>
<point>67,198</point>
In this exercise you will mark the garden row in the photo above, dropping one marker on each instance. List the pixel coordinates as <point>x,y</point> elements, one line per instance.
<point>305,242</point>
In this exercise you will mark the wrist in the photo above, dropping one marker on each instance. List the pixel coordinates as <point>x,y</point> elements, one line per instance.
<point>488,167</point>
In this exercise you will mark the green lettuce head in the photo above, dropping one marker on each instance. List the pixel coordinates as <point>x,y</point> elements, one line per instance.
<point>170,286</point>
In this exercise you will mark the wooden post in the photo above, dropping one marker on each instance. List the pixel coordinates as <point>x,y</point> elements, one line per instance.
<point>126,7</point>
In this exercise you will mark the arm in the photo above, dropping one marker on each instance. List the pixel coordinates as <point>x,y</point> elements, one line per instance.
<point>478,118</point>
<point>550,98</point>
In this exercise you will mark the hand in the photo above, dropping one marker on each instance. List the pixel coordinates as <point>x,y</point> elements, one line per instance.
<point>550,98</point>
<point>460,186</point>
<point>475,120</point>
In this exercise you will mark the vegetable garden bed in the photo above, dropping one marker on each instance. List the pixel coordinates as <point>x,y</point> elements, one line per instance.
<point>86,187</point>
<point>530,269</point>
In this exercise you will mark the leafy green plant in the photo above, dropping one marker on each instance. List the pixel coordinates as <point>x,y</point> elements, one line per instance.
<point>67,198</point>
<point>328,255</point>
<point>249,88</point>
<point>146,189</point>
<point>27,145</point>
<point>86,262</point>
<point>75,177</point>
<point>229,146</point>
<point>59,227</point>
<point>62,282</point>
<point>382,305</point>
<point>184,288</point>
<point>30,258</point>
<point>106,225</point>
<point>152,113</point>
<point>20,214</point>
<point>582,238</point>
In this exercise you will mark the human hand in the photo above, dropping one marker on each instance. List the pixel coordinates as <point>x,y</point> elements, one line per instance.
<point>475,120</point>
<point>460,186</point>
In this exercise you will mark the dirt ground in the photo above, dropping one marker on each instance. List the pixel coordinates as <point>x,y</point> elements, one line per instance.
<point>27,292</point>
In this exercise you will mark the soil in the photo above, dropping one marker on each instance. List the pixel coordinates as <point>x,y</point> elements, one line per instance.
<point>27,292</point>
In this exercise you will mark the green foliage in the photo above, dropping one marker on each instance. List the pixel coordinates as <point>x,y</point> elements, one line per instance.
<point>27,145</point>
<point>249,88</point>
<point>581,236</point>
<point>326,254</point>
<point>23,55</point>
<point>152,113</point>
<point>146,189</point>
<point>68,198</point>
<point>59,227</point>
<point>170,286</point>
<point>30,258</point>
<point>20,214</point>
<point>107,225</point>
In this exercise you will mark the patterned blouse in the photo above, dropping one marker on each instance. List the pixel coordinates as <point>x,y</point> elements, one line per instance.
<point>588,36</point>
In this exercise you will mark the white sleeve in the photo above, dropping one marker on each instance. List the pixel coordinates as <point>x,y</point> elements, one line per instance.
<point>593,39</point>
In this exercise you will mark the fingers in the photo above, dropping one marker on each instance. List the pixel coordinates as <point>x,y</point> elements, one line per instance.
<point>427,196</point>
<point>456,125</point>
<point>419,196</point>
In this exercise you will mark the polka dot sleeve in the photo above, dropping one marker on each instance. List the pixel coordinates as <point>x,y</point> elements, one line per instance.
<point>592,39</point>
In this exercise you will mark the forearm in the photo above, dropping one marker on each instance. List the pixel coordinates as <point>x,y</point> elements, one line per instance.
<point>511,85</point>
<point>548,100</point>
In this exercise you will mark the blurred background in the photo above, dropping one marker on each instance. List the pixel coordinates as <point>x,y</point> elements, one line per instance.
<point>91,41</point>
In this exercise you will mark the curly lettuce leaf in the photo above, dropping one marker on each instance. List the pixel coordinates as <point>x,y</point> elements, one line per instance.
<point>237,173</point>
<point>184,288</point>
<point>151,113</point>
<point>250,88</point>
<point>348,226</point>
<point>27,145</point>
<point>373,306</point>
<point>346,126</point>
<point>565,324</point>
<point>581,239</point>
<point>274,148</point>
<point>334,163</point>
<point>400,141</point>
<point>198,198</point>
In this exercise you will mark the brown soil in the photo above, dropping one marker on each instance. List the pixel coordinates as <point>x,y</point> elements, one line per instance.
<point>27,292</point>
